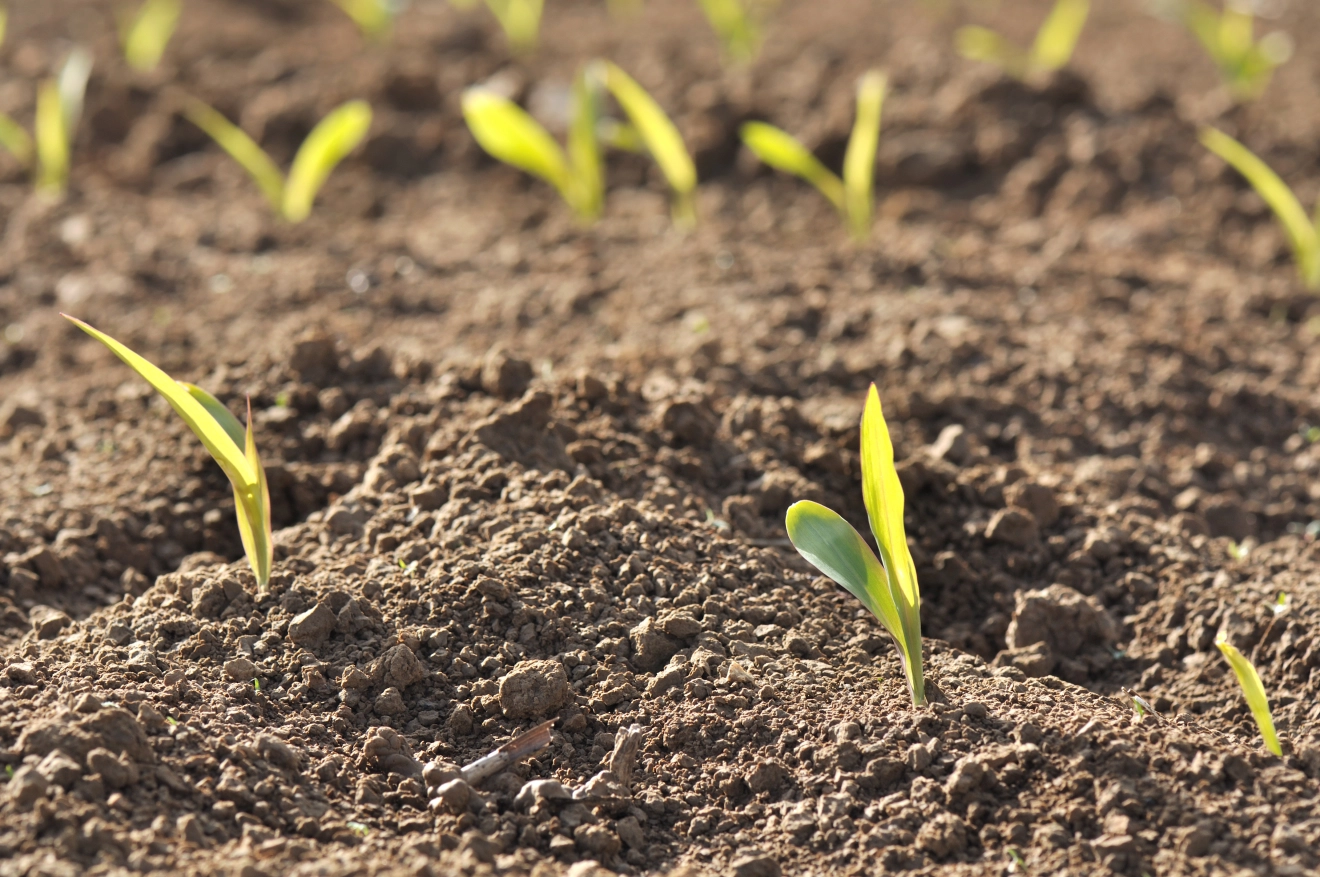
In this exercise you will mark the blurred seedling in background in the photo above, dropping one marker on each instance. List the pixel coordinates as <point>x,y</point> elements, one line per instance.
<point>59,107</point>
<point>519,19</point>
<point>1050,51</point>
<point>653,132</point>
<point>1303,231</point>
<point>232,446</point>
<point>737,24</point>
<point>374,18</point>
<point>333,138</point>
<point>888,586</point>
<point>852,195</point>
<point>1245,63</point>
<point>145,33</point>
<point>1253,690</point>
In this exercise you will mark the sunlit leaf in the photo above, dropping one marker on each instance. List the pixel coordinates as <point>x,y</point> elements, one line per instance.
<point>982,44</point>
<point>333,138</point>
<point>1254,691</point>
<point>783,152</point>
<point>372,17</point>
<point>509,134</point>
<point>1058,35</point>
<point>859,159</point>
<point>242,149</point>
<point>584,156</point>
<point>72,86</point>
<point>52,139</point>
<point>736,27</point>
<point>520,20</point>
<point>146,34</point>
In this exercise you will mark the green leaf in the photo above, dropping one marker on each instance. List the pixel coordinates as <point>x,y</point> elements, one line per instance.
<point>509,134</point>
<point>833,546</point>
<point>1303,235</point>
<point>242,149</point>
<point>738,32</point>
<point>52,140</point>
<point>219,413</point>
<point>253,506</point>
<point>14,139</point>
<point>982,44</point>
<point>520,20</point>
<point>1254,691</point>
<point>1058,35</point>
<point>660,136</point>
<point>75,72</point>
<point>859,160</point>
<point>883,495</point>
<point>333,138</point>
<point>145,35</point>
<point>372,17</point>
<point>584,158</point>
<point>783,152</point>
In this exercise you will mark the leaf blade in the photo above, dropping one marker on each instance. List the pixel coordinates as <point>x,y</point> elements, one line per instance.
<point>859,159</point>
<point>329,143</point>
<point>784,152</point>
<point>509,134</point>
<point>146,35</point>
<point>1254,691</point>
<point>241,148</point>
<point>1058,35</point>
<point>52,140</point>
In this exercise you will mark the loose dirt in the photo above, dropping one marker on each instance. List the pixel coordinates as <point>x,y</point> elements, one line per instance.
<point>525,470</point>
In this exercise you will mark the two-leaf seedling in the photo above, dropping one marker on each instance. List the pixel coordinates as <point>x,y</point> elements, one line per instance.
<point>1303,231</point>
<point>1254,691</point>
<point>852,194</point>
<point>1245,63</point>
<point>232,446</point>
<point>887,586</point>
<point>145,34</point>
<point>1050,51</point>
<point>512,136</point>
<point>59,107</point>
<point>333,138</point>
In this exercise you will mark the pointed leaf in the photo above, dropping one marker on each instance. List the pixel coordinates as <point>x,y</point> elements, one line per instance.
<point>1058,35</point>
<point>1254,690</point>
<point>213,436</point>
<point>584,149</point>
<point>52,139</point>
<point>859,160</point>
<point>509,134</point>
<point>242,149</point>
<point>783,152</point>
<point>333,138</point>
<point>222,415</point>
<point>146,34</point>
<point>833,546</point>
<point>253,507</point>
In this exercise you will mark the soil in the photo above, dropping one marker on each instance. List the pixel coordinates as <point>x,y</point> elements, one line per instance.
<point>526,470</point>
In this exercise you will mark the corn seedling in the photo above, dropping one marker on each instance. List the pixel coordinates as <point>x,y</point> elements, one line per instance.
<point>737,24</point>
<point>59,107</point>
<point>145,34</point>
<point>520,20</point>
<point>333,138</point>
<point>1253,690</point>
<point>512,136</point>
<point>1245,63</point>
<point>1303,231</point>
<point>1050,51</point>
<point>888,586</point>
<point>656,134</point>
<point>852,195</point>
<point>232,446</point>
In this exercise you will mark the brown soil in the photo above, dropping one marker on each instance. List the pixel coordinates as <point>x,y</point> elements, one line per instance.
<point>524,469</point>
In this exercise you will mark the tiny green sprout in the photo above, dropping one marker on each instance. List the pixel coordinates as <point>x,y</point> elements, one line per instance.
<point>172,721</point>
<point>1238,550</point>
<point>9,771</point>
<point>232,446</point>
<point>282,399</point>
<point>361,829</point>
<point>1281,603</point>
<point>145,34</point>
<point>520,20</point>
<point>1050,51</point>
<point>256,685</point>
<point>1254,691</point>
<point>1312,433</point>
<point>1245,63</point>
<point>737,24</point>
<point>1303,231</point>
<point>333,138</point>
<point>1017,863</point>
<point>512,136</point>
<point>657,135</point>
<point>852,195</point>
<point>888,586</point>
<point>59,107</point>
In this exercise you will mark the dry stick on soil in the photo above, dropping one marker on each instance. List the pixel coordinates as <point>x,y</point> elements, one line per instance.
<point>1051,50</point>
<point>1254,690</point>
<point>232,446</point>
<point>523,746</point>
<point>888,587</point>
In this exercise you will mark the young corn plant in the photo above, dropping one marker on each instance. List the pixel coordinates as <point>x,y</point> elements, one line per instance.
<point>333,138</point>
<point>520,20</point>
<point>59,107</point>
<point>887,586</point>
<point>1303,231</point>
<point>509,134</point>
<point>1245,63</point>
<point>1253,690</point>
<point>655,133</point>
<point>145,34</point>
<point>737,24</point>
<point>232,446</point>
<point>1050,51</point>
<point>852,194</point>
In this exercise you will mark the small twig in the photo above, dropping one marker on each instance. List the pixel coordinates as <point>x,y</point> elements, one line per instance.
<point>520,747</point>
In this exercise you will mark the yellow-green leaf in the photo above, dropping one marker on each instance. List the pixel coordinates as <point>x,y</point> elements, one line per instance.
<point>333,138</point>
<point>15,140</point>
<point>222,415</point>
<point>859,159</point>
<point>146,34</point>
<point>1254,691</point>
<point>733,23</point>
<point>1303,235</point>
<point>584,149</point>
<point>660,136</point>
<point>373,17</point>
<point>1058,35</point>
<point>52,139</point>
<point>242,149</point>
<point>253,506</point>
<point>982,44</point>
<point>509,134</point>
<point>783,152</point>
<point>520,20</point>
